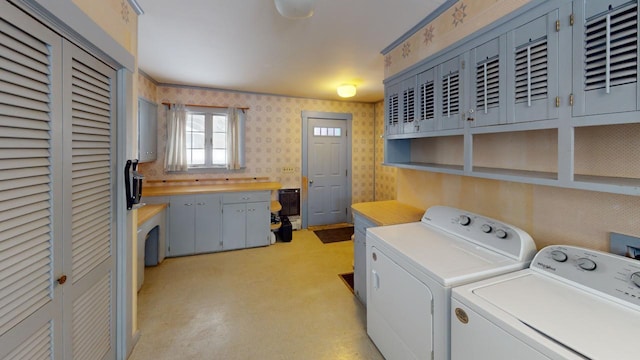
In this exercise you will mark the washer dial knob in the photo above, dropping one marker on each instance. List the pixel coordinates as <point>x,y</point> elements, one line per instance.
<point>487,228</point>
<point>635,279</point>
<point>464,220</point>
<point>586,264</point>
<point>501,234</point>
<point>558,256</point>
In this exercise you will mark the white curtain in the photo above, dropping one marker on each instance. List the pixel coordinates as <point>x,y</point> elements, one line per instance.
<point>235,139</point>
<point>176,154</point>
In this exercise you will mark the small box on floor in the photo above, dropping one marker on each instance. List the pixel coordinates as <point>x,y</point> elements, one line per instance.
<point>285,232</point>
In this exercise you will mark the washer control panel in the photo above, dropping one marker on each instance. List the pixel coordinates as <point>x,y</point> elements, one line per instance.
<point>484,231</point>
<point>613,275</point>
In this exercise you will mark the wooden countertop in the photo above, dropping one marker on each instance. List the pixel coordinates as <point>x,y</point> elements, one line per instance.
<point>166,190</point>
<point>148,211</point>
<point>389,212</point>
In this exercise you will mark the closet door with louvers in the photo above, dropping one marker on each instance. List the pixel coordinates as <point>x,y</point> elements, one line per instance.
<point>89,260</point>
<point>30,298</point>
<point>533,70</point>
<point>605,78</point>
<point>488,84</point>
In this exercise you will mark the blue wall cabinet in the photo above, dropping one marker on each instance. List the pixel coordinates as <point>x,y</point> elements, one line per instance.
<point>532,69</point>
<point>147,131</point>
<point>392,109</point>
<point>551,70</point>
<point>450,86</point>
<point>427,101</point>
<point>605,51</point>
<point>408,106</point>
<point>487,91</point>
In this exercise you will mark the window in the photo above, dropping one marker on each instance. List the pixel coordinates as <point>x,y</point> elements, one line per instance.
<point>206,144</point>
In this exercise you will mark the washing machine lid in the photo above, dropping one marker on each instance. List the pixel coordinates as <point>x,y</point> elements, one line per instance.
<point>581,321</point>
<point>449,260</point>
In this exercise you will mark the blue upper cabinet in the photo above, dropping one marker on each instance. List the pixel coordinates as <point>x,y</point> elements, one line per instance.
<point>605,73</point>
<point>450,87</point>
<point>427,101</point>
<point>488,83</point>
<point>532,70</point>
<point>392,109</point>
<point>408,105</point>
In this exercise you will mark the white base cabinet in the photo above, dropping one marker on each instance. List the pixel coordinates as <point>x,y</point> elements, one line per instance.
<point>205,223</point>
<point>246,218</point>
<point>195,224</point>
<point>360,257</point>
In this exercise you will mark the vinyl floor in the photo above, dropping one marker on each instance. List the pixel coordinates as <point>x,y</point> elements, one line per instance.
<point>284,301</point>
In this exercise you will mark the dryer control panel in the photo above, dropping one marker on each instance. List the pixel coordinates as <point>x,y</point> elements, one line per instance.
<point>616,277</point>
<point>489,233</point>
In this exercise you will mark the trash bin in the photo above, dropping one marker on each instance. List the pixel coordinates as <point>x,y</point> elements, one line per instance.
<point>285,231</point>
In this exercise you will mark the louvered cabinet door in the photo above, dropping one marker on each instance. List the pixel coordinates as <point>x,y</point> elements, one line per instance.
<point>88,161</point>
<point>449,85</point>
<point>30,299</point>
<point>392,94</point>
<point>408,105</point>
<point>533,70</point>
<point>488,84</point>
<point>605,78</point>
<point>427,101</point>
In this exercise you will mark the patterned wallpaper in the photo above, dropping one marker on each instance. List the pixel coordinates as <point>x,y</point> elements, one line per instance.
<point>457,22</point>
<point>273,134</point>
<point>385,177</point>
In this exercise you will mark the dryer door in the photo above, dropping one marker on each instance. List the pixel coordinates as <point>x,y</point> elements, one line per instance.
<point>399,318</point>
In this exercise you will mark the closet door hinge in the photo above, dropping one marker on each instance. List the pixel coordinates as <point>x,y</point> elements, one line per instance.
<point>557,101</point>
<point>571,99</point>
<point>557,25</point>
<point>572,19</point>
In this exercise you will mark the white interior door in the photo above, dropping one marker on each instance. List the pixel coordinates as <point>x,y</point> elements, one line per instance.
<point>327,171</point>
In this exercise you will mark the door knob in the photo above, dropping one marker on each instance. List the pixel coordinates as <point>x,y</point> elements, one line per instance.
<point>311,182</point>
<point>62,279</point>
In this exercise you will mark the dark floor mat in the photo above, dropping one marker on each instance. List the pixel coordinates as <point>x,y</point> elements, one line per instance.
<point>334,235</point>
<point>348,280</point>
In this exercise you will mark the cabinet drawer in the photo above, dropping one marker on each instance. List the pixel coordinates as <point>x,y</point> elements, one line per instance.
<point>245,197</point>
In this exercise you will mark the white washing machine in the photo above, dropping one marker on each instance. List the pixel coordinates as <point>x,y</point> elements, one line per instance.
<point>572,303</point>
<point>412,267</point>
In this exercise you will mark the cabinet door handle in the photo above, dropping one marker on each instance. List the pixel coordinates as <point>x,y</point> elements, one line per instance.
<point>188,204</point>
<point>201,203</point>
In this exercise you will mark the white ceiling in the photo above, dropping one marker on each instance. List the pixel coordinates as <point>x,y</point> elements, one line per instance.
<point>246,45</point>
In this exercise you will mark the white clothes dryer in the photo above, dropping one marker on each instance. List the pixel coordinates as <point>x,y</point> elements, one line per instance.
<point>572,303</point>
<point>412,267</point>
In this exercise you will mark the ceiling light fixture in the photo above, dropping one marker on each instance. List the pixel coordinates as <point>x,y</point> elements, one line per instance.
<point>346,90</point>
<point>295,9</point>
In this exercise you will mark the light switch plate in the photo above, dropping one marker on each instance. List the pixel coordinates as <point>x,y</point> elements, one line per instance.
<point>624,245</point>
